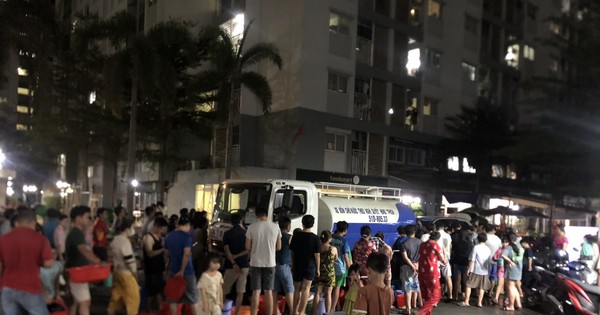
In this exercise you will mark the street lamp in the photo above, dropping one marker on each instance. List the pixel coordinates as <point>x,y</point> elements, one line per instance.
<point>134,183</point>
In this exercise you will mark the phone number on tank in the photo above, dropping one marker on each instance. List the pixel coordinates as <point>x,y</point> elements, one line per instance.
<point>378,219</point>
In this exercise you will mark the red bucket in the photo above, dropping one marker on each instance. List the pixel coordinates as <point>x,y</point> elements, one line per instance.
<point>262,305</point>
<point>175,288</point>
<point>57,307</point>
<point>91,273</point>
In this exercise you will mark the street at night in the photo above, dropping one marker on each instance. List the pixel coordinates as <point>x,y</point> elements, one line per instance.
<point>299,157</point>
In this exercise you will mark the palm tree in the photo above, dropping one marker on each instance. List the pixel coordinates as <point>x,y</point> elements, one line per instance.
<point>129,50</point>
<point>231,64</point>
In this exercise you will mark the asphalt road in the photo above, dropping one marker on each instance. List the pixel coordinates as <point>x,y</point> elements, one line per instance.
<point>101,296</point>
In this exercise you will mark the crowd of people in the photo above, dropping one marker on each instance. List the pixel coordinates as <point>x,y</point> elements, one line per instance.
<point>428,263</point>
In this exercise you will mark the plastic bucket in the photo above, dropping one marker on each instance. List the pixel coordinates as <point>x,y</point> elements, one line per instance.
<point>91,273</point>
<point>400,300</point>
<point>227,307</point>
<point>262,307</point>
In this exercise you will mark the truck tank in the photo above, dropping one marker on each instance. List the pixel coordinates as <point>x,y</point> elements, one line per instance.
<point>380,215</point>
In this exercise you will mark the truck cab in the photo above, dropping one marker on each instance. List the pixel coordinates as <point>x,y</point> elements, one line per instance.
<point>295,198</point>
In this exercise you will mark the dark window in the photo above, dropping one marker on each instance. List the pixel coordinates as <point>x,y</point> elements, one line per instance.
<point>471,24</point>
<point>433,58</point>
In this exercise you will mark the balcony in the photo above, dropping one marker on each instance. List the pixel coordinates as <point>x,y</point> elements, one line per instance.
<point>362,106</point>
<point>359,162</point>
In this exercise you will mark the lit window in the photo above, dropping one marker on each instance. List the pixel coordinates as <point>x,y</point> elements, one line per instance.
<point>468,71</point>
<point>453,163</point>
<point>554,65</point>
<point>512,55</point>
<point>21,127</point>
<point>413,61</point>
<point>528,52</point>
<point>337,82</point>
<point>554,27</point>
<point>22,72</point>
<point>22,91</point>
<point>336,142</point>
<point>339,23</point>
<point>466,167</point>
<point>433,58</point>
<point>396,154</point>
<point>471,24</point>
<point>416,157</point>
<point>435,8</point>
<point>22,109</point>
<point>235,27</point>
<point>430,106</point>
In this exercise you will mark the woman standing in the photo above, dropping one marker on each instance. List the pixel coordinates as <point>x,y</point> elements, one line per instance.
<point>363,248</point>
<point>513,269</point>
<point>326,280</point>
<point>559,238</point>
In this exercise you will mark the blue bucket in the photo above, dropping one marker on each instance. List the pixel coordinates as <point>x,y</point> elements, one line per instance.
<point>227,306</point>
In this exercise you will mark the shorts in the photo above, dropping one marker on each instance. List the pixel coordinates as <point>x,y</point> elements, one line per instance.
<point>306,273</point>
<point>191,290</point>
<point>409,278</point>
<point>493,274</point>
<point>154,283</point>
<point>262,278</point>
<point>459,269</point>
<point>479,282</point>
<point>446,271</point>
<point>239,278</point>
<point>283,279</point>
<point>80,291</point>
<point>340,280</point>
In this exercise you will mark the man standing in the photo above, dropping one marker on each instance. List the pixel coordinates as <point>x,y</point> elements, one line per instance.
<point>445,242</point>
<point>493,243</point>
<point>478,271</point>
<point>306,262</point>
<point>343,262</point>
<point>179,246</point>
<point>283,272</point>
<point>50,225</point>
<point>125,289</point>
<point>148,220</point>
<point>263,240</point>
<point>100,235</point>
<point>154,262</point>
<point>78,254</point>
<point>119,216</point>
<point>409,250</point>
<point>236,262</point>
<point>22,252</point>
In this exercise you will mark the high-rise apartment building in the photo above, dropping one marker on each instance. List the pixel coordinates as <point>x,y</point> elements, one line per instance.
<point>366,85</point>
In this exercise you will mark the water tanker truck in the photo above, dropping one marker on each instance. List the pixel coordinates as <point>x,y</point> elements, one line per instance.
<point>378,207</point>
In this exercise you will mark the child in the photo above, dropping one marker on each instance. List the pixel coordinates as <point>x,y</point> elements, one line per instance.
<point>354,284</point>
<point>387,251</point>
<point>376,298</point>
<point>210,286</point>
<point>500,288</point>
<point>326,280</point>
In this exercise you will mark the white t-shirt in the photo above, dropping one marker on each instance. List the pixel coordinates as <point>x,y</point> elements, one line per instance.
<point>445,242</point>
<point>122,254</point>
<point>480,255</point>
<point>425,237</point>
<point>264,235</point>
<point>493,242</point>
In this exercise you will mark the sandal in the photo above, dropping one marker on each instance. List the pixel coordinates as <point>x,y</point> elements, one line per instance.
<point>508,309</point>
<point>463,304</point>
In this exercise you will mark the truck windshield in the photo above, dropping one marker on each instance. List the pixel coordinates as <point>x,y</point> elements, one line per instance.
<point>242,198</point>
